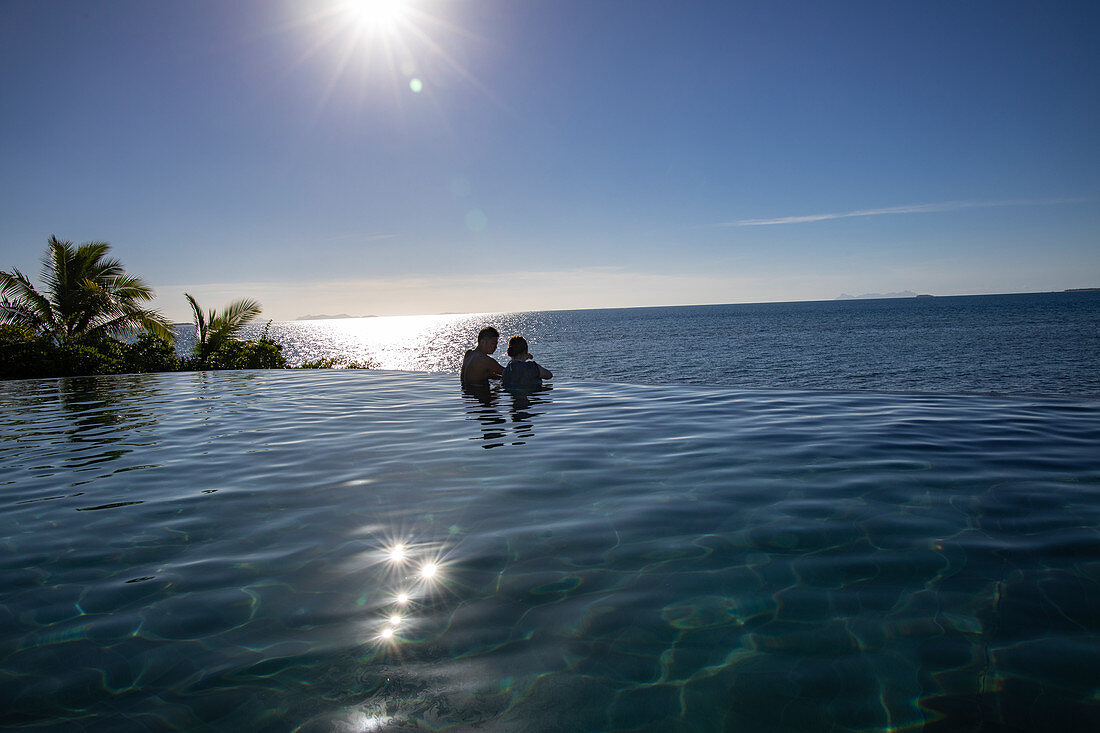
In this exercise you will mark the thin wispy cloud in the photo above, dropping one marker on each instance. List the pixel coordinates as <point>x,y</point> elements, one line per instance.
<point>908,209</point>
<point>360,237</point>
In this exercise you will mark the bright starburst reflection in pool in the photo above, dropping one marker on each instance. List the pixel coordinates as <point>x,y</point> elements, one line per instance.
<point>409,574</point>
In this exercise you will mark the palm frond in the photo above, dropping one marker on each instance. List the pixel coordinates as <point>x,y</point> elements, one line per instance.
<point>24,305</point>
<point>134,324</point>
<point>84,293</point>
<point>130,287</point>
<point>226,325</point>
<point>18,315</point>
<point>200,325</point>
<point>238,314</point>
<point>158,325</point>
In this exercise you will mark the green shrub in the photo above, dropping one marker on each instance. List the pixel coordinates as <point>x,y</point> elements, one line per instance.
<point>151,354</point>
<point>237,354</point>
<point>325,362</point>
<point>26,356</point>
<point>82,359</point>
<point>332,362</point>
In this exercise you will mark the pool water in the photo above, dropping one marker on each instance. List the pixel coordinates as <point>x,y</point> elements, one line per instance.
<point>381,550</point>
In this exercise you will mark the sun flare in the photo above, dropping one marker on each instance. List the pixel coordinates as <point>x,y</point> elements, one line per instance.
<point>382,15</point>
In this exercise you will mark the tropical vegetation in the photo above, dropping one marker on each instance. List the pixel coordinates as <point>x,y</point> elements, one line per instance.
<point>336,362</point>
<point>216,342</point>
<point>86,296</point>
<point>89,316</point>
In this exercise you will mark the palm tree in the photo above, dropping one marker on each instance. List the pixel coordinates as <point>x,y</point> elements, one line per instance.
<point>213,329</point>
<point>85,295</point>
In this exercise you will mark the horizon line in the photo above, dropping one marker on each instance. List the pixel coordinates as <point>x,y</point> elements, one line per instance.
<point>842,298</point>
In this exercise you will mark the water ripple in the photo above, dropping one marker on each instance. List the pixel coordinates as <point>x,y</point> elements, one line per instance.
<point>339,550</point>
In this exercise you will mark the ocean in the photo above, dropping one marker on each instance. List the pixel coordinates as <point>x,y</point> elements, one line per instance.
<point>849,516</point>
<point>1041,343</point>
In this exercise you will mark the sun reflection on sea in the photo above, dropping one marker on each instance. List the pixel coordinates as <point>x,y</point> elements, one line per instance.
<point>409,343</point>
<point>433,343</point>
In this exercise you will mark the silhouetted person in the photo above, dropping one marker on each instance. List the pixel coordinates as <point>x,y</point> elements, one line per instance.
<point>522,372</point>
<point>477,366</point>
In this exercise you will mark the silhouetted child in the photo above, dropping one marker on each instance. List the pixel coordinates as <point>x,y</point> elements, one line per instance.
<point>522,372</point>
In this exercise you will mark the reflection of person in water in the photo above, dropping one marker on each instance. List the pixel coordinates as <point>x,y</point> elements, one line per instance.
<point>478,367</point>
<point>482,405</point>
<point>522,372</point>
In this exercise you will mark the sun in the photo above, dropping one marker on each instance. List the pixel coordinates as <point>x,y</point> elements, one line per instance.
<point>377,15</point>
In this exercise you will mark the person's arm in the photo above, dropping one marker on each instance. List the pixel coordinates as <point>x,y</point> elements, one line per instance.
<point>543,373</point>
<point>494,367</point>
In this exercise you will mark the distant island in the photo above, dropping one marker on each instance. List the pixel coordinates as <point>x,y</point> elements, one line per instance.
<point>867,296</point>
<point>1081,290</point>
<point>329,318</point>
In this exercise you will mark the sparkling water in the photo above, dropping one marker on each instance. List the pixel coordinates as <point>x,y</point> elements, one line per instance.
<point>1044,343</point>
<point>379,550</point>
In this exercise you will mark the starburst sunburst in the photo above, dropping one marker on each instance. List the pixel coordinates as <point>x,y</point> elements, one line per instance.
<point>377,15</point>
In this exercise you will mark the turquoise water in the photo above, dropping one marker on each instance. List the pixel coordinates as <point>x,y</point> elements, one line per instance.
<point>379,550</point>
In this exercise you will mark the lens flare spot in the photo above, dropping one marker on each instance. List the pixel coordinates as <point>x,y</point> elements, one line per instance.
<point>387,633</point>
<point>429,570</point>
<point>397,554</point>
<point>416,85</point>
<point>395,620</point>
<point>476,220</point>
<point>402,599</point>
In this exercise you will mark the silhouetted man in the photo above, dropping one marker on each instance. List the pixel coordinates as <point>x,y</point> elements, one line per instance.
<point>477,366</point>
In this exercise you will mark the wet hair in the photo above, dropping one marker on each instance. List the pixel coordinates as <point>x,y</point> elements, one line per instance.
<point>488,333</point>
<point>517,345</point>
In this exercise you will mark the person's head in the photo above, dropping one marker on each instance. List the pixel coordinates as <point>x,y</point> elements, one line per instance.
<point>517,346</point>
<point>487,339</point>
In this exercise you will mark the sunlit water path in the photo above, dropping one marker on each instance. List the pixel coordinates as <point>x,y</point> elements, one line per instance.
<point>379,550</point>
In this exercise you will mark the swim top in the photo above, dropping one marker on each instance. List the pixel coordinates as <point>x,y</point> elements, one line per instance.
<point>521,374</point>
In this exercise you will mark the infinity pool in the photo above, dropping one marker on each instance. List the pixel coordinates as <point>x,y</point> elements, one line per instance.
<point>380,550</point>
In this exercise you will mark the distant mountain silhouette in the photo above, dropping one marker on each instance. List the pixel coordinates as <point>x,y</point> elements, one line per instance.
<point>329,318</point>
<point>867,296</point>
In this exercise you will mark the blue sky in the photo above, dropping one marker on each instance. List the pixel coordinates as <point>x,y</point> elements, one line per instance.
<point>554,154</point>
